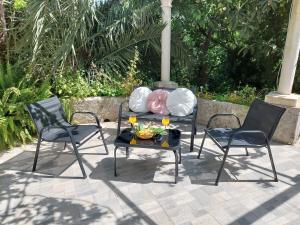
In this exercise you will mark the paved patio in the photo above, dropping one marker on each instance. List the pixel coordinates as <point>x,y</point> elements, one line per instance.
<point>143,193</point>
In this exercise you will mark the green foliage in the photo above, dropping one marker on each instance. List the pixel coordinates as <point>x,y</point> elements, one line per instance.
<point>19,4</point>
<point>243,96</point>
<point>130,81</point>
<point>237,41</point>
<point>17,90</point>
<point>72,85</point>
<point>112,89</point>
<point>75,85</point>
<point>54,35</point>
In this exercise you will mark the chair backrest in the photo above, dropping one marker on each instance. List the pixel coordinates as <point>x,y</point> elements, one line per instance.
<point>48,112</point>
<point>263,116</point>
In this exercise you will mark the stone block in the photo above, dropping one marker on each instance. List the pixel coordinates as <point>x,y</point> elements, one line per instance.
<point>207,108</point>
<point>106,108</point>
<point>292,100</point>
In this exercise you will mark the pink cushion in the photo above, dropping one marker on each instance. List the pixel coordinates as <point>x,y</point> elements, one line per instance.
<point>156,102</point>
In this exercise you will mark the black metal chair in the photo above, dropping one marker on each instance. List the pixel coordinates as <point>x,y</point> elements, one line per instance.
<point>52,126</point>
<point>256,131</point>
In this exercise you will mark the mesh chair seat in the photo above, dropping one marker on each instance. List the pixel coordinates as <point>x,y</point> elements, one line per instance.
<point>79,133</point>
<point>222,136</point>
<point>157,117</point>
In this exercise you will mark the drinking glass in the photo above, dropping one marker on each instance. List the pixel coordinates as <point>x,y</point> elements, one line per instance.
<point>132,119</point>
<point>165,121</point>
<point>133,141</point>
<point>165,144</point>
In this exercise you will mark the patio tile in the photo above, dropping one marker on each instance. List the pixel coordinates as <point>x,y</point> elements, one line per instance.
<point>144,192</point>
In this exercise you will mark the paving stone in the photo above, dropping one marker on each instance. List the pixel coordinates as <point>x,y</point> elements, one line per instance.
<point>144,192</point>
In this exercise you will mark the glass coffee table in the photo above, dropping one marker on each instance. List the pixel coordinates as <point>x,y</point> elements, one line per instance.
<point>127,139</point>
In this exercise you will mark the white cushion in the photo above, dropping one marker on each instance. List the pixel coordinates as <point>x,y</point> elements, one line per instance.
<point>181,102</point>
<point>138,99</point>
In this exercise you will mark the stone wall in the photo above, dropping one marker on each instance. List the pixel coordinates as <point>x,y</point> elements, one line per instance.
<point>107,109</point>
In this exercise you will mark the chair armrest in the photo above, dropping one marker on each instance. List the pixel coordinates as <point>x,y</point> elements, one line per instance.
<point>89,113</point>
<point>120,117</point>
<point>231,138</point>
<point>121,105</point>
<point>121,108</point>
<point>222,114</point>
<point>195,112</point>
<point>195,109</point>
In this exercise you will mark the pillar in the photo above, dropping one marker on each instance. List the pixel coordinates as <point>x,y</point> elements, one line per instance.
<point>291,51</point>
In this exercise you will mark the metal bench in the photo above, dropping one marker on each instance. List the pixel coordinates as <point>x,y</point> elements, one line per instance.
<point>187,120</point>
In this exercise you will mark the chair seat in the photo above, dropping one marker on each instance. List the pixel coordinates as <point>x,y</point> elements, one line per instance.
<point>222,136</point>
<point>79,132</point>
<point>157,117</point>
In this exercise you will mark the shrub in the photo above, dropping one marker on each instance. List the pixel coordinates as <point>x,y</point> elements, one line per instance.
<point>131,81</point>
<point>18,90</point>
<point>243,96</point>
<point>72,85</point>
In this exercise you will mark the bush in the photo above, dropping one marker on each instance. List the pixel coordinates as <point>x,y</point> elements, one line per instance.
<point>243,96</point>
<point>72,85</point>
<point>18,90</point>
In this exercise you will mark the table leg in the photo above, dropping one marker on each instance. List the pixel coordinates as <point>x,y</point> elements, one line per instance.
<point>180,154</point>
<point>176,165</point>
<point>127,152</point>
<point>115,164</point>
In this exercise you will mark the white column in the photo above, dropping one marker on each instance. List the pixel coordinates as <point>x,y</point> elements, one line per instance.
<point>166,6</point>
<point>291,51</point>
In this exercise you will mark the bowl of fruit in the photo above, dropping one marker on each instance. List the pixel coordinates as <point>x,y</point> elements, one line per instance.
<point>147,131</point>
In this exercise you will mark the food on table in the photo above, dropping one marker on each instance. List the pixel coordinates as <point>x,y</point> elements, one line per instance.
<point>147,131</point>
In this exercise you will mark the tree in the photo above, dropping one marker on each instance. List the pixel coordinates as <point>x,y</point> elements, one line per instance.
<point>2,28</point>
<point>233,42</point>
<point>78,33</point>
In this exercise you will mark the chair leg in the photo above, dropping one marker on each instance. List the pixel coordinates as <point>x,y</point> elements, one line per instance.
<point>179,154</point>
<point>247,153</point>
<point>127,152</point>
<point>79,159</point>
<point>222,166</point>
<point>102,136</point>
<point>115,161</point>
<point>119,125</point>
<point>193,133</point>
<point>176,165</point>
<point>36,154</point>
<point>201,147</point>
<point>272,163</point>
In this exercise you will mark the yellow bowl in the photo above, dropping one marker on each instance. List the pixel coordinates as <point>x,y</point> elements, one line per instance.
<point>144,134</point>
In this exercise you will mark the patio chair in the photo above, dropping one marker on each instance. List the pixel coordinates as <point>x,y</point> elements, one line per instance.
<point>256,131</point>
<point>52,126</point>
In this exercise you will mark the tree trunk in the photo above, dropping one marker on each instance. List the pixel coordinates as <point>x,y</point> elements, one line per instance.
<point>204,67</point>
<point>3,31</point>
<point>2,23</point>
